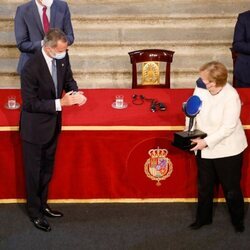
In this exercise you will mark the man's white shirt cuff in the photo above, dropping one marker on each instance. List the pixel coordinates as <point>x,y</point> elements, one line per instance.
<point>58,105</point>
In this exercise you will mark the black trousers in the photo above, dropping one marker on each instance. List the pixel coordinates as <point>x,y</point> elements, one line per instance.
<point>227,171</point>
<point>39,164</point>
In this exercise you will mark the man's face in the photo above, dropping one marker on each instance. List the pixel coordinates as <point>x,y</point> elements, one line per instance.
<point>60,48</point>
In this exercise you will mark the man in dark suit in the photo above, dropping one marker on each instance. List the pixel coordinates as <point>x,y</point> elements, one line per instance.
<point>43,79</point>
<point>241,45</point>
<point>30,27</point>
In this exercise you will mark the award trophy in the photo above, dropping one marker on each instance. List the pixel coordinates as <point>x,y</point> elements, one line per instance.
<point>182,139</point>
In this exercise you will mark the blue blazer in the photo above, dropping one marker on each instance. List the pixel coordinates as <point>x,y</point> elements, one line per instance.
<point>241,45</point>
<point>29,29</point>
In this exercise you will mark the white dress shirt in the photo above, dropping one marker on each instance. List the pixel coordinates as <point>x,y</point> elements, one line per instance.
<point>219,118</point>
<point>40,10</point>
<point>49,64</point>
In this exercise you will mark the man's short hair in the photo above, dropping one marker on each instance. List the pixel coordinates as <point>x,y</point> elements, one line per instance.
<point>53,36</point>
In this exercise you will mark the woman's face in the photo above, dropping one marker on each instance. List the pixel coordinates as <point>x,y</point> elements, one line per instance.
<point>211,85</point>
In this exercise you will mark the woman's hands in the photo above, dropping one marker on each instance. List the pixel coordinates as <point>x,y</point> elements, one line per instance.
<point>198,143</point>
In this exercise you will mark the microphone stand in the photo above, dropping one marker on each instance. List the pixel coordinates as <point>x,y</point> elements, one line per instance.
<point>190,125</point>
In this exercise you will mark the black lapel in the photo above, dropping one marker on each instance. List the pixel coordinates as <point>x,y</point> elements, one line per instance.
<point>60,65</point>
<point>49,78</point>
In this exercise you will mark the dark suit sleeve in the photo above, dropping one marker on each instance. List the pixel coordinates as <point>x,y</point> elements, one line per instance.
<point>30,90</point>
<point>69,83</point>
<point>240,43</point>
<point>67,26</point>
<point>22,33</point>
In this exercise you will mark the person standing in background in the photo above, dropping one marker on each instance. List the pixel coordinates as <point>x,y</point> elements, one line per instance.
<point>33,20</point>
<point>241,45</point>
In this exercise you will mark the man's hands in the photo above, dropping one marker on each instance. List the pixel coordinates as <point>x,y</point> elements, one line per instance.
<point>72,98</point>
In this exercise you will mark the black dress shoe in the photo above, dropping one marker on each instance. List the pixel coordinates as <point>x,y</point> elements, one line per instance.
<point>197,225</point>
<point>51,213</point>
<point>239,228</point>
<point>41,223</point>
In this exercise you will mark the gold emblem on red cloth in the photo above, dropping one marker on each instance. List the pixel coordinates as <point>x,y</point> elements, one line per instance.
<point>158,167</point>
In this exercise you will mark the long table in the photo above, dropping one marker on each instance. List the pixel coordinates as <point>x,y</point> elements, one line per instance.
<point>107,154</point>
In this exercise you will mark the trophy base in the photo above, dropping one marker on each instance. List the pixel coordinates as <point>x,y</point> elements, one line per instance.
<point>182,139</point>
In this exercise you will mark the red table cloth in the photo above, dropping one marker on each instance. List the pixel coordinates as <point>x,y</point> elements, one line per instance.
<point>110,154</point>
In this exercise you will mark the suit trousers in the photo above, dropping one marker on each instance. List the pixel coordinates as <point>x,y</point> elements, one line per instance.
<point>226,171</point>
<point>39,165</point>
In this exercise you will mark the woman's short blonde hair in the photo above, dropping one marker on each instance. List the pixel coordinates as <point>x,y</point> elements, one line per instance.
<point>216,72</point>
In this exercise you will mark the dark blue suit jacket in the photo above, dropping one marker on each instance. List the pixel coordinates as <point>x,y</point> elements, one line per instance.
<point>241,45</point>
<point>39,119</point>
<point>29,29</point>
